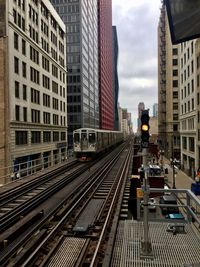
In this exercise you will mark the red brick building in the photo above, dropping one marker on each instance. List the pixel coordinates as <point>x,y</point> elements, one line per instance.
<point>106,104</point>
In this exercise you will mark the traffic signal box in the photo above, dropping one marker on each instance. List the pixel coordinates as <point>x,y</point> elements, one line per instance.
<point>145,129</point>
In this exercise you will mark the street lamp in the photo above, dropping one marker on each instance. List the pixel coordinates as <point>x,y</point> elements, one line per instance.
<point>173,173</point>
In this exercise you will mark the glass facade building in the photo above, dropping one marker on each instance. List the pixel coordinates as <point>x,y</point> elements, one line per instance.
<point>115,78</point>
<point>81,20</point>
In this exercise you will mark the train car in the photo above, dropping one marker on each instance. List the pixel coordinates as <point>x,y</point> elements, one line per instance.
<point>88,143</point>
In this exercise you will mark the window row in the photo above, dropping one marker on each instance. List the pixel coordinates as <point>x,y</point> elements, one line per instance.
<point>188,124</point>
<point>21,137</point>
<point>46,82</point>
<point>188,106</point>
<point>188,143</point>
<point>187,72</point>
<point>35,74</point>
<point>19,20</point>
<point>187,89</point>
<point>20,3</point>
<point>21,114</point>
<point>33,15</point>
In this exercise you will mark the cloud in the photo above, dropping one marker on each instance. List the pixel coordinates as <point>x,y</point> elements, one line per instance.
<point>137,23</point>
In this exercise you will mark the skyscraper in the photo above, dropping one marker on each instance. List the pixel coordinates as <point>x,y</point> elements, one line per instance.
<point>81,20</point>
<point>168,89</point>
<point>115,78</point>
<point>106,65</point>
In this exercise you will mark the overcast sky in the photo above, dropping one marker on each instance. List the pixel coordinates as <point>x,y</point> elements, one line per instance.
<point>137,22</point>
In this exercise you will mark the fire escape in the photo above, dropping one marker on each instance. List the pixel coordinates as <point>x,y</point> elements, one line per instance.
<point>162,85</point>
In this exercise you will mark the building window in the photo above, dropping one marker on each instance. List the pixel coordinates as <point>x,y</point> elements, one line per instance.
<point>45,63</point>
<point>55,119</point>
<point>175,51</point>
<point>35,116</point>
<point>21,137</point>
<point>17,113</point>
<point>35,137</point>
<point>192,85</point>
<point>16,65</point>
<point>184,139</point>
<point>63,136</point>
<point>175,73</point>
<point>16,89</point>
<point>16,41</point>
<point>24,92</point>
<point>34,75</point>
<point>46,136</point>
<point>25,113</point>
<point>46,100</point>
<point>46,118</point>
<point>191,144</point>
<point>54,87</point>
<point>175,106</point>
<point>24,69</point>
<point>175,83</point>
<point>15,16</point>
<point>175,95</point>
<point>55,103</point>
<point>175,127</point>
<point>175,62</point>
<point>35,96</point>
<point>45,81</point>
<point>192,103</point>
<point>23,47</point>
<point>34,55</point>
<point>175,117</point>
<point>55,136</point>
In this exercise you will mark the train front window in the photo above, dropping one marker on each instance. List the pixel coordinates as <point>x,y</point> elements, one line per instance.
<point>83,136</point>
<point>76,138</point>
<point>92,138</point>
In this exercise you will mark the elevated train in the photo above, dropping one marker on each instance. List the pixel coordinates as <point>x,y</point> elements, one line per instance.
<point>88,143</point>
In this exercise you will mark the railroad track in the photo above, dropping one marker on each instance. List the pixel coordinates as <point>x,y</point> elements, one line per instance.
<point>99,208</point>
<point>11,244</point>
<point>21,201</point>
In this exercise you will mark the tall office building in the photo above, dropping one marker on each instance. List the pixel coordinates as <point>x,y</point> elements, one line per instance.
<point>106,65</point>
<point>189,105</point>
<point>33,87</point>
<point>155,110</point>
<point>168,90</point>
<point>115,78</point>
<point>81,20</point>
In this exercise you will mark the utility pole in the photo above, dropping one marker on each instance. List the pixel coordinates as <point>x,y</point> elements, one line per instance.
<point>146,248</point>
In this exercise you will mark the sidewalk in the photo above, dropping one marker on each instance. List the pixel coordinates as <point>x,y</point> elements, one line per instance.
<point>182,181</point>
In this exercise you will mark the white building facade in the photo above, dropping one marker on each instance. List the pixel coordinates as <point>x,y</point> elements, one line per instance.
<point>33,42</point>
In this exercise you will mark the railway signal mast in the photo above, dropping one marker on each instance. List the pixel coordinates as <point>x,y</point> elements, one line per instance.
<point>145,129</point>
<point>146,248</point>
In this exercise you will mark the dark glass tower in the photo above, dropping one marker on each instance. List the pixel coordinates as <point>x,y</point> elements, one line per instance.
<point>81,20</point>
<point>115,78</point>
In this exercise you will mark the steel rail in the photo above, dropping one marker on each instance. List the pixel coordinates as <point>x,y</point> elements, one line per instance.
<point>13,193</point>
<point>64,218</point>
<point>9,251</point>
<point>110,210</point>
<point>26,207</point>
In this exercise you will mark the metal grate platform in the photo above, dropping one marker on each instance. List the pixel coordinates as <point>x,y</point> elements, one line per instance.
<point>168,250</point>
<point>68,253</point>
